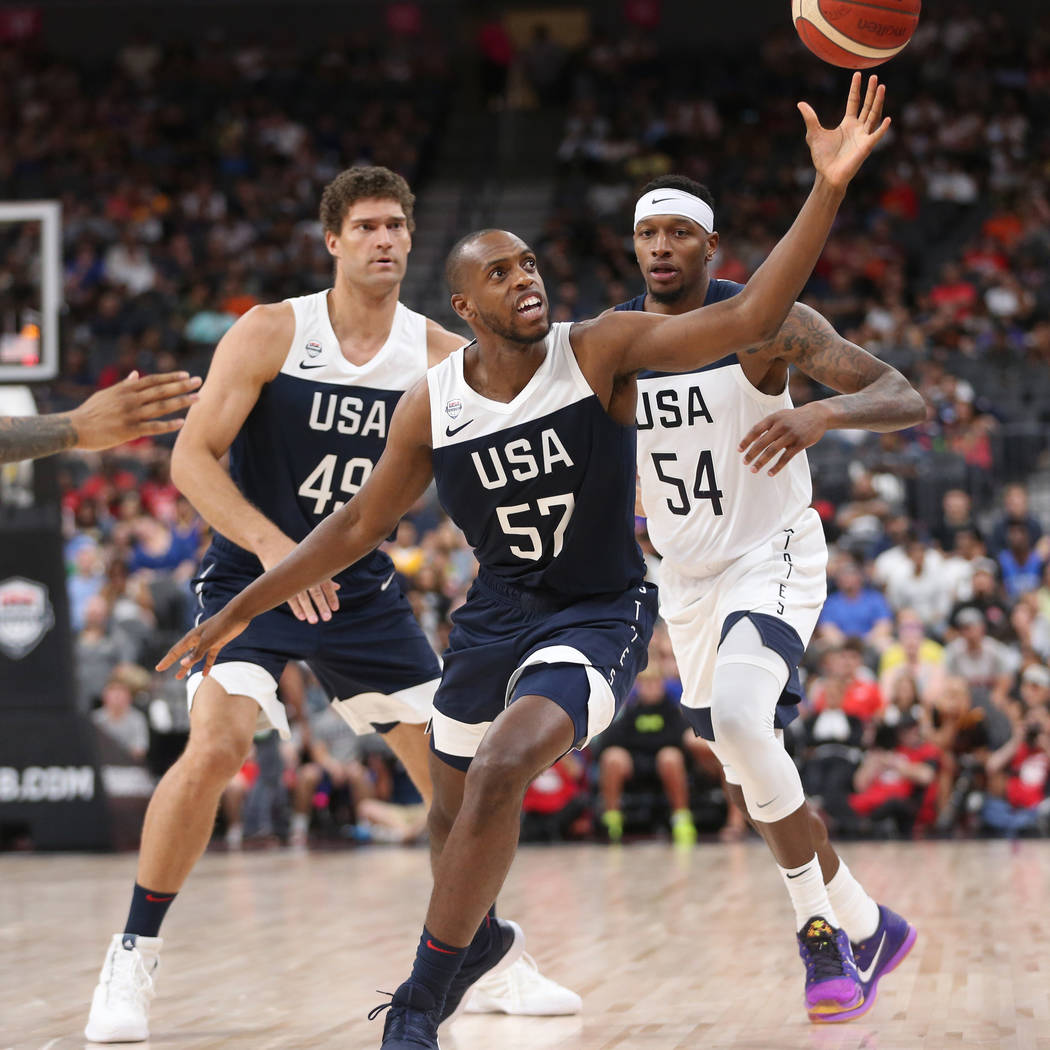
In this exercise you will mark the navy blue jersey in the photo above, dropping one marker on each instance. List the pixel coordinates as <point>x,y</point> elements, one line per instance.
<point>542,487</point>
<point>318,429</point>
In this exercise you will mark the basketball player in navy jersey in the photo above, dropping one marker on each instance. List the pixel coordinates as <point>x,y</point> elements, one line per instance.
<point>529,435</point>
<point>726,486</point>
<point>301,394</point>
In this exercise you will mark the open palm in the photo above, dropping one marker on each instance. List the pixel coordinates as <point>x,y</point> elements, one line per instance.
<point>839,152</point>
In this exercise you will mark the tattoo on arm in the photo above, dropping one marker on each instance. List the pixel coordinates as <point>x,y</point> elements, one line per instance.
<point>809,342</point>
<point>873,395</point>
<point>30,437</point>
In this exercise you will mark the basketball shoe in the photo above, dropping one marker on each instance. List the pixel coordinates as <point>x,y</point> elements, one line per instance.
<point>412,1021</point>
<point>521,989</point>
<point>882,952</point>
<point>505,948</point>
<point>120,1005</point>
<point>833,990</point>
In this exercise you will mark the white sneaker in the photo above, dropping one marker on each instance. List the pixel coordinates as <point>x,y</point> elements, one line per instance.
<point>120,1005</point>
<point>522,989</point>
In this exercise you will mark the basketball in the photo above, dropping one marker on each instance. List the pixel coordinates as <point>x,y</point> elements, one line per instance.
<point>855,34</point>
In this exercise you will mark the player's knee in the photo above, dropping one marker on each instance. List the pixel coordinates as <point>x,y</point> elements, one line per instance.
<point>216,758</point>
<point>737,725</point>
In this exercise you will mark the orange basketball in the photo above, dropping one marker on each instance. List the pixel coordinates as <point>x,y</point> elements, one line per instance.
<point>855,34</point>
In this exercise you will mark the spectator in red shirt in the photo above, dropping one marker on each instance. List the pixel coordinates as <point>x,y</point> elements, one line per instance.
<point>844,676</point>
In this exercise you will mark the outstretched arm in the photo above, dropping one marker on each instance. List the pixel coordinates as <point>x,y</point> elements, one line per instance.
<point>873,395</point>
<point>400,477</point>
<point>636,340</point>
<point>128,410</point>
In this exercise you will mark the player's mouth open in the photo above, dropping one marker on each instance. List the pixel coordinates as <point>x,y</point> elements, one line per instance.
<point>663,273</point>
<point>530,306</point>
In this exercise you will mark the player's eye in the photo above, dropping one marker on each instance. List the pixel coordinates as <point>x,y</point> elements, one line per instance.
<point>530,264</point>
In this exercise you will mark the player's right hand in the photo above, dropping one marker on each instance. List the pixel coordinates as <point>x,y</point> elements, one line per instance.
<point>202,643</point>
<point>317,602</point>
<point>132,409</point>
<point>839,152</point>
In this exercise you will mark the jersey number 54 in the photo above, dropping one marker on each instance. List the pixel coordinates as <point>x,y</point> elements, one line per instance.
<point>704,484</point>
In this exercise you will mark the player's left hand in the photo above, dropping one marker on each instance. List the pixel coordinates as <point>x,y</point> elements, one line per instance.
<point>202,643</point>
<point>839,152</point>
<point>786,433</point>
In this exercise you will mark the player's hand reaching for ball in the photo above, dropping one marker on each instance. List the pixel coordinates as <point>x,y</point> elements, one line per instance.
<point>203,643</point>
<point>785,434</point>
<point>839,152</point>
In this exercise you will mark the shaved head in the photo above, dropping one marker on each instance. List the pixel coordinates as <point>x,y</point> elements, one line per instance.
<point>462,251</point>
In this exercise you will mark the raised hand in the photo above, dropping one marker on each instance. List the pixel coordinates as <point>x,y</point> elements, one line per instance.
<point>132,409</point>
<point>202,643</point>
<point>839,152</point>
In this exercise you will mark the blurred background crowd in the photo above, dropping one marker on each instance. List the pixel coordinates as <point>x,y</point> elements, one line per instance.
<point>190,176</point>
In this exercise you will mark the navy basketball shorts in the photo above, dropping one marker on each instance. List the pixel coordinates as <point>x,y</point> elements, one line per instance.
<point>508,642</point>
<point>372,657</point>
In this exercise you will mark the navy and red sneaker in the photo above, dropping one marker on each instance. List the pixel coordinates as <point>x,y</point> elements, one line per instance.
<point>412,1021</point>
<point>833,990</point>
<point>505,948</point>
<point>883,951</point>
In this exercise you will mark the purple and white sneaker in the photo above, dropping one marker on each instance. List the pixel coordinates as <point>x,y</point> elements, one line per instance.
<point>833,990</point>
<point>883,951</point>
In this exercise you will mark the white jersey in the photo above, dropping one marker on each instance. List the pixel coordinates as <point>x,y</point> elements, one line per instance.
<point>315,353</point>
<point>705,507</point>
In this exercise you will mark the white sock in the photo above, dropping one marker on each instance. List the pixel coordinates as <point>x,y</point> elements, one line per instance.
<point>858,912</point>
<point>805,885</point>
<point>300,822</point>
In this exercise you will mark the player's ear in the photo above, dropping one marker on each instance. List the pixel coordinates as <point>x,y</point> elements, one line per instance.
<point>463,306</point>
<point>331,242</point>
<point>712,245</point>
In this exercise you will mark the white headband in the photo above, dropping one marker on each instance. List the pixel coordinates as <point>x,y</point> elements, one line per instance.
<point>674,202</point>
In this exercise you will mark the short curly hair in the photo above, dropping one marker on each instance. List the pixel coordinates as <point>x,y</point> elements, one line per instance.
<point>363,183</point>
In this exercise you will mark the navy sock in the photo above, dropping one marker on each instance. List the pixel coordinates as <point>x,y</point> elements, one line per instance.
<point>147,912</point>
<point>437,964</point>
<point>479,946</point>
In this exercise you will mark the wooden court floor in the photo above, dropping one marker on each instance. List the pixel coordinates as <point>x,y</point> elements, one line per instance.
<point>670,951</point>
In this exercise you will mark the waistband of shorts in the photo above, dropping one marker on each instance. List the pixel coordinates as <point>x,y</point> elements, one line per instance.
<point>528,599</point>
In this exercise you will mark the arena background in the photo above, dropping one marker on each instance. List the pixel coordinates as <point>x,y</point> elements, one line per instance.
<point>187,144</point>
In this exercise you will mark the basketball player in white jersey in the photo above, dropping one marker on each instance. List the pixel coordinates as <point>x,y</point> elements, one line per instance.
<point>528,434</point>
<point>726,487</point>
<point>300,393</point>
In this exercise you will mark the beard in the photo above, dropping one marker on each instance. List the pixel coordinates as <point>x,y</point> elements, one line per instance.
<point>509,331</point>
<point>668,296</point>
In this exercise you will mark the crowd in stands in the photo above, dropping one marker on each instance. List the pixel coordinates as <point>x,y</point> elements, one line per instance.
<point>928,695</point>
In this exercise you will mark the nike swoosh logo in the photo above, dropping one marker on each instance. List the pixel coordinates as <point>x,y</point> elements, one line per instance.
<point>434,947</point>
<point>865,975</point>
<point>799,875</point>
<point>660,200</point>
<point>762,805</point>
<point>386,583</point>
<point>303,365</point>
<point>452,432</point>
<point>159,900</point>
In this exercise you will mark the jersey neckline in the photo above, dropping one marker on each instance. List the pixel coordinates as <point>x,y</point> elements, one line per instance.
<point>383,351</point>
<point>505,407</point>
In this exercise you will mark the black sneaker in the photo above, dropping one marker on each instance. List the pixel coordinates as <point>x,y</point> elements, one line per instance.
<point>412,1021</point>
<point>505,948</point>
